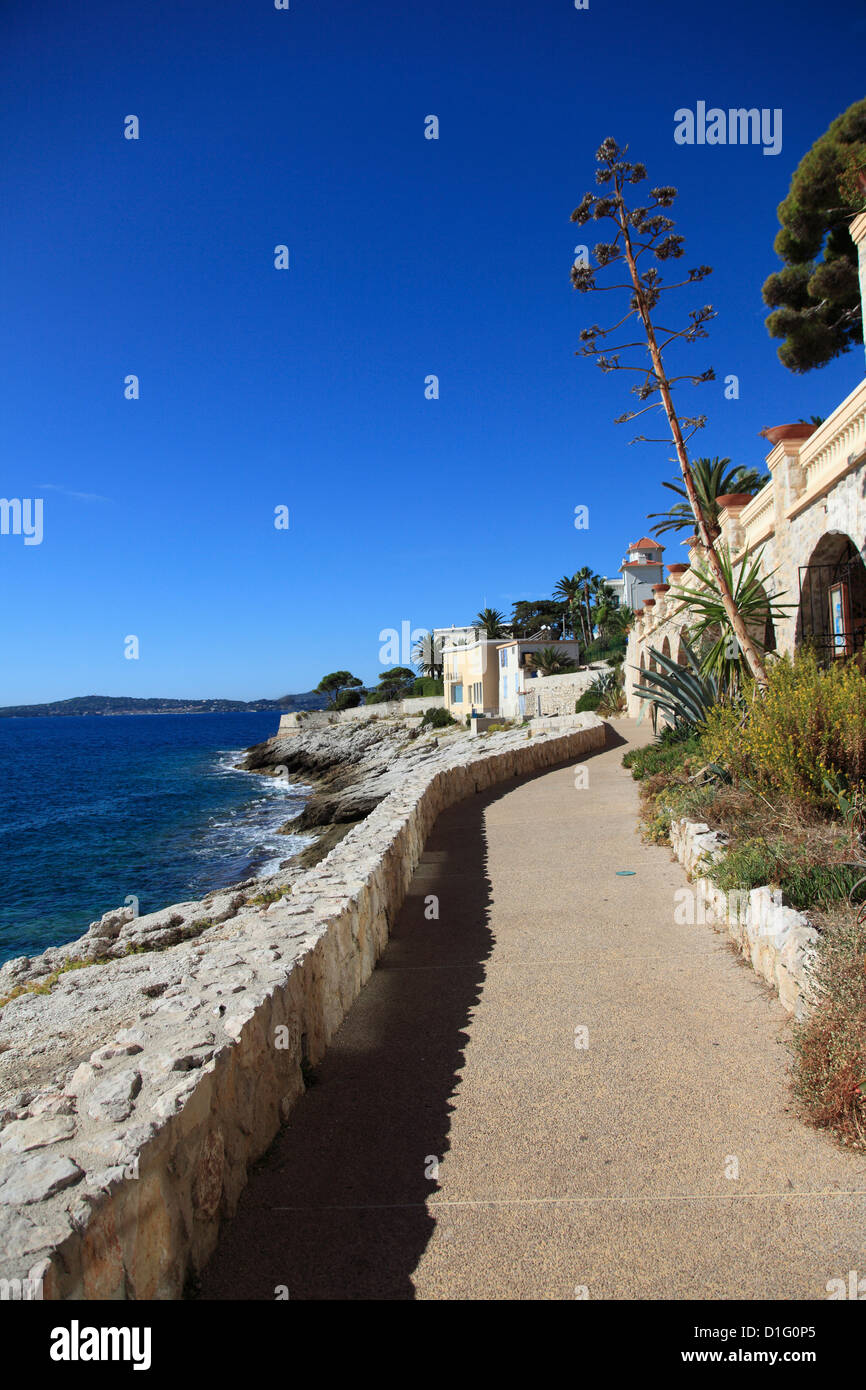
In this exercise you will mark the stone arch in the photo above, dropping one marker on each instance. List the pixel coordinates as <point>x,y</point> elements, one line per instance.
<point>831,615</point>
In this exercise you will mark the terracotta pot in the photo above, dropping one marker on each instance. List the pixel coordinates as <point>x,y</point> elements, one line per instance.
<point>733,499</point>
<point>660,588</point>
<point>776,433</point>
<point>649,603</point>
<point>677,570</point>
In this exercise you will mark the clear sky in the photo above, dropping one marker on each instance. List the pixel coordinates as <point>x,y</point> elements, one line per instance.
<point>304,388</point>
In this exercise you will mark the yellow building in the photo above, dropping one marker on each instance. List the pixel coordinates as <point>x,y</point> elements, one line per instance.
<point>470,670</point>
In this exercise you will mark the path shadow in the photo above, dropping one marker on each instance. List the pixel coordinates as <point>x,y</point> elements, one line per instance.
<point>336,1209</point>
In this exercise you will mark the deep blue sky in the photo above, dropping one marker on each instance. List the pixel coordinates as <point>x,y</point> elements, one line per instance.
<point>408,257</point>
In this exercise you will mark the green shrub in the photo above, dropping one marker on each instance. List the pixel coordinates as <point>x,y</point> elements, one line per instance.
<point>661,756</point>
<point>587,701</point>
<point>809,724</point>
<point>348,699</point>
<point>604,650</point>
<point>437,718</point>
<point>803,881</point>
<point>427,685</point>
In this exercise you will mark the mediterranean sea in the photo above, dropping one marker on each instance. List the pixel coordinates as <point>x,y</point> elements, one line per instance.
<point>95,809</point>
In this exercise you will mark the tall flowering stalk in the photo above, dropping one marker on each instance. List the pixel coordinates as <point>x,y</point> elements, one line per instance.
<point>646,232</point>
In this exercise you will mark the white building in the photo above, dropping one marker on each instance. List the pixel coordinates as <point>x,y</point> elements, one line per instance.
<point>516,670</point>
<point>640,570</point>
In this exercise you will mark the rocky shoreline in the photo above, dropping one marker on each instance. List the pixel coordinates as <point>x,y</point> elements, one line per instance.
<point>141,1076</point>
<point>350,770</point>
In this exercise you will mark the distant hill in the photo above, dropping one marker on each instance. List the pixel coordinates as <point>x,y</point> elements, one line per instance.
<point>127,704</point>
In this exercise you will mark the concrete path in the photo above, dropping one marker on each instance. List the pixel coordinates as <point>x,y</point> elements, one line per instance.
<point>561,1169</point>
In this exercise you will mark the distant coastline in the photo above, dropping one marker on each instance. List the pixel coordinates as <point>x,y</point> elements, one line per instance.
<point>106,705</point>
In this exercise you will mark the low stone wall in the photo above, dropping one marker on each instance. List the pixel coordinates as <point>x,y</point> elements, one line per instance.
<point>299,721</point>
<point>547,695</point>
<point>178,1106</point>
<point>777,941</point>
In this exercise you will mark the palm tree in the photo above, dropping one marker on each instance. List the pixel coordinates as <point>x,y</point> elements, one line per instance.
<point>550,661</point>
<point>569,590</point>
<point>602,591</point>
<point>606,616</point>
<point>713,478</point>
<point>428,655</point>
<point>492,621</point>
<point>586,578</point>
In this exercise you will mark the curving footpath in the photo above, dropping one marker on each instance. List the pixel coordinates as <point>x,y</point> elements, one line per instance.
<point>547,1091</point>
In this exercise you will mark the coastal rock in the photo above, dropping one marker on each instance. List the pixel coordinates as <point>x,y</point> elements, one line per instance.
<point>21,1236</point>
<point>23,1135</point>
<point>113,1098</point>
<point>35,1178</point>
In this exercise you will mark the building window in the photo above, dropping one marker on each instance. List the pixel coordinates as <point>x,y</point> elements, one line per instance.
<point>503,656</point>
<point>505,687</point>
<point>457,694</point>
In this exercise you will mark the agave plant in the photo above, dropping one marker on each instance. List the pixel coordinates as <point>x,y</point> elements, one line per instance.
<point>709,623</point>
<point>608,689</point>
<point>686,693</point>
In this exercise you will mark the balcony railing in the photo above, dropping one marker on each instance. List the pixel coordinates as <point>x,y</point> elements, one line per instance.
<point>835,446</point>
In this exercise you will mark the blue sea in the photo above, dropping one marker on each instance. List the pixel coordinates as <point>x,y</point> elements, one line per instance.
<point>94,809</point>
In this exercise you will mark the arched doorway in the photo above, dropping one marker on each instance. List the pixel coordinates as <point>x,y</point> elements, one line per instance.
<point>831,616</point>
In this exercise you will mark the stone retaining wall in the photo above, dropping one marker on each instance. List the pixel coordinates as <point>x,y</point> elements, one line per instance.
<point>552,695</point>
<point>777,941</point>
<point>183,1102</point>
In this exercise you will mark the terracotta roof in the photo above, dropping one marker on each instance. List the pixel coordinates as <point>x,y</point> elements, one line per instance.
<point>642,564</point>
<point>645,540</point>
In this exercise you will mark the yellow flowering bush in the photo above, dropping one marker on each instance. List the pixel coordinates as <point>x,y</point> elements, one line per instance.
<point>809,723</point>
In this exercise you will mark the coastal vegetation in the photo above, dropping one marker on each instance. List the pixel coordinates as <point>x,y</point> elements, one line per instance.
<point>337,683</point>
<point>437,718</point>
<point>781,772</point>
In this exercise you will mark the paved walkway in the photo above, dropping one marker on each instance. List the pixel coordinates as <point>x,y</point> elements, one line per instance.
<point>559,1168</point>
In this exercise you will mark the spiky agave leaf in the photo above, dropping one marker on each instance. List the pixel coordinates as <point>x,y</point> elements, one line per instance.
<point>684,692</point>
